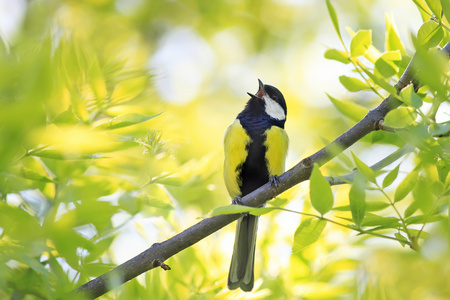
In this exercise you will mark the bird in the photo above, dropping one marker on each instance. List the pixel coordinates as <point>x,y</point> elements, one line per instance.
<point>255,148</point>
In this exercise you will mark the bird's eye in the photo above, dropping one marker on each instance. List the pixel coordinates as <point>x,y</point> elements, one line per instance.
<point>275,98</point>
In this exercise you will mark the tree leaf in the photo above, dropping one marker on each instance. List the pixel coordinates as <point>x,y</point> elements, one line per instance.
<point>337,55</point>
<point>430,34</point>
<point>360,43</point>
<point>353,84</point>
<point>231,210</point>
<point>357,196</point>
<point>320,191</point>
<point>380,82</point>
<point>386,65</point>
<point>334,18</point>
<point>390,177</point>
<point>392,41</point>
<point>307,233</point>
<point>364,169</point>
<point>406,185</point>
<point>349,109</point>
<point>409,97</point>
<point>435,7</point>
<point>400,117</point>
<point>123,120</point>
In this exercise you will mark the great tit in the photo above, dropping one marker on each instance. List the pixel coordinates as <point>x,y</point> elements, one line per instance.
<point>255,146</point>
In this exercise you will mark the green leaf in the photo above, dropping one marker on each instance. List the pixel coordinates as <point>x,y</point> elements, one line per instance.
<point>423,195</point>
<point>435,7</point>
<point>364,169</point>
<point>406,185</point>
<point>386,63</point>
<point>390,177</point>
<point>231,210</point>
<point>409,97</point>
<point>338,55</point>
<point>33,175</point>
<point>360,43</point>
<point>307,233</point>
<point>334,18</point>
<point>400,117</point>
<point>370,206</point>
<point>129,89</point>
<point>66,117</point>
<point>392,41</point>
<point>262,210</point>
<point>320,191</point>
<point>353,84</point>
<point>357,196</point>
<point>446,9</point>
<point>403,241</point>
<point>430,34</point>
<point>439,129</point>
<point>124,120</point>
<point>381,82</point>
<point>373,220</point>
<point>349,109</point>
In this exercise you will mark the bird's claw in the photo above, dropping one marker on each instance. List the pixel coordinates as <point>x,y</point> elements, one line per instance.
<point>237,201</point>
<point>274,183</point>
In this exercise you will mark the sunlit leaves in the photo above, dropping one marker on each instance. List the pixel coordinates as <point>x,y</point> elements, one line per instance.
<point>349,109</point>
<point>357,198</point>
<point>409,97</point>
<point>307,233</point>
<point>337,55</point>
<point>334,18</point>
<point>124,120</point>
<point>129,89</point>
<point>430,34</point>
<point>360,43</point>
<point>364,169</point>
<point>406,185</point>
<point>392,40</point>
<point>320,192</point>
<point>390,177</point>
<point>387,63</point>
<point>353,84</point>
<point>400,117</point>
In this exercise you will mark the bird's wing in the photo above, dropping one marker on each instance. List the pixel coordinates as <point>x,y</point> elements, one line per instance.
<point>235,142</point>
<point>277,143</point>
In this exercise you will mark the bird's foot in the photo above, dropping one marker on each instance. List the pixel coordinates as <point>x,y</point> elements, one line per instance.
<point>274,183</point>
<point>237,201</point>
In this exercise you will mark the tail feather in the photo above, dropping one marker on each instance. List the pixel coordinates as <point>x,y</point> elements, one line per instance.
<point>243,259</point>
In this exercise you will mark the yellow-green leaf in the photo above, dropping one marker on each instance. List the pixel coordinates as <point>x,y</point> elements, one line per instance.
<point>360,43</point>
<point>338,55</point>
<point>400,117</point>
<point>349,109</point>
<point>406,186</point>
<point>357,197</point>
<point>124,120</point>
<point>353,84</point>
<point>390,177</point>
<point>430,34</point>
<point>307,233</point>
<point>320,191</point>
<point>409,97</point>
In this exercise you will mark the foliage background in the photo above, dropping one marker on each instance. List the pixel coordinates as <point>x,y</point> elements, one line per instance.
<point>111,123</point>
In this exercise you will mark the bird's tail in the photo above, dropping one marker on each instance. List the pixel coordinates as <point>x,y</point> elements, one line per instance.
<point>243,259</point>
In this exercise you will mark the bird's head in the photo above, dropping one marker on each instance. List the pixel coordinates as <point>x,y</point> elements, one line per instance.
<point>274,103</point>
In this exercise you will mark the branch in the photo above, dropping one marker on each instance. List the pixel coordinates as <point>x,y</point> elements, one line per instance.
<point>160,252</point>
<point>336,180</point>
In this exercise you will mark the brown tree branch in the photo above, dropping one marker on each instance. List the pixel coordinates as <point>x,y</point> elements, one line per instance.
<point>160,252</point>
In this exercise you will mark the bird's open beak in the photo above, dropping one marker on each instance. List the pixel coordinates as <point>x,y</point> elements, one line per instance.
<point>260,92</point>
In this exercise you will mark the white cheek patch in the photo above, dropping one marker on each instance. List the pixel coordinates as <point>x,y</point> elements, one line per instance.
<point>274,109</point>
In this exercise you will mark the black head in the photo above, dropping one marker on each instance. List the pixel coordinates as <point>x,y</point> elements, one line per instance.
<point>274,103</point>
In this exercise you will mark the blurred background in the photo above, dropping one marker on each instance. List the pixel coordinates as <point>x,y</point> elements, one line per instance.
<point>112,115</point>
